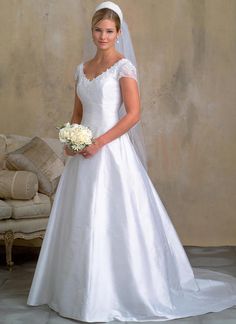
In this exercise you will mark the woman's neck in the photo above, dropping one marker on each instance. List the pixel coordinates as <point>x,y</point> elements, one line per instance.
<point>103,57</point>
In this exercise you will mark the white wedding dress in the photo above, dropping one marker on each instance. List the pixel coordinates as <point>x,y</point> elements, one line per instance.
<point>110,251</point>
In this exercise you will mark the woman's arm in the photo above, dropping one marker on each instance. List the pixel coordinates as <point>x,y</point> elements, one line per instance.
<point>76,118</point>
<point>130,94</point>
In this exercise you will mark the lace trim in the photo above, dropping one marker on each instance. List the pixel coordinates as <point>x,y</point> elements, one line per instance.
<point>101,75</point>
<point>128,70</point>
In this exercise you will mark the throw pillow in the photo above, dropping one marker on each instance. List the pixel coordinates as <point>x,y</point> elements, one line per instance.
<point>37,156</point>
<point>18,184</point>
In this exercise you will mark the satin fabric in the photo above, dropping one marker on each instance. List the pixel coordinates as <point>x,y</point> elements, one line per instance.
<point>110,251</point>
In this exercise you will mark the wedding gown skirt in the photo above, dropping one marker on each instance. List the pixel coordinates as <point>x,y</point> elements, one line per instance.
<point>110,251</point>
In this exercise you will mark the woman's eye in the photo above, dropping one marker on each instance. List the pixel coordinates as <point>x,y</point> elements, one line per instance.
<point>109,31</point>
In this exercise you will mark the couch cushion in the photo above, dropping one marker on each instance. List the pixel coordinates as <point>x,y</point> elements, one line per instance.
<point>37,156</point>
<point>18,184</point>
<point>23,225</point>
<point>5,210</point>
<point>30,208</point>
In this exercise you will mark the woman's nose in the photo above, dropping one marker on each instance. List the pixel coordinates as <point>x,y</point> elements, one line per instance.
<point>103,35</point>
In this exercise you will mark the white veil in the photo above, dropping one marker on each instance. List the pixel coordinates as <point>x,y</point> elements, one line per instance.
<point>125,47</point>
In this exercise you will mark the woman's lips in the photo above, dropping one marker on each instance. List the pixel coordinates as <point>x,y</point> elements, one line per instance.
<point>103,42</point>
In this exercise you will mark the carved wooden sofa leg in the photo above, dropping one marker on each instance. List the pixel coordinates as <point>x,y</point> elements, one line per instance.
<point>9,239</point>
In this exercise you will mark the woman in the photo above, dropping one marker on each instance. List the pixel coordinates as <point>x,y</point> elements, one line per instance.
<point>110,251</point>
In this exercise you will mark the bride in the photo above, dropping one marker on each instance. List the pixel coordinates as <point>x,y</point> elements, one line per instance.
<point>110,251</point>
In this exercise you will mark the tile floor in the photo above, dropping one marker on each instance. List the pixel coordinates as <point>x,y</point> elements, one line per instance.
<point>14,288</point>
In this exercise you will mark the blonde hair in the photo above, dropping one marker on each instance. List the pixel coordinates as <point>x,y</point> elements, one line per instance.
<point>106,13</point>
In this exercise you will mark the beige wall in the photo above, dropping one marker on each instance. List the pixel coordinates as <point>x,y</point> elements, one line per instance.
<point>186,52</point>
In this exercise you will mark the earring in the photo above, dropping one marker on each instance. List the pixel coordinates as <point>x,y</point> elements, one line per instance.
<point>117,40</point>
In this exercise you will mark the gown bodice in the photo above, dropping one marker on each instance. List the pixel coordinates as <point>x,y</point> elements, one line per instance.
<point>101,97</point>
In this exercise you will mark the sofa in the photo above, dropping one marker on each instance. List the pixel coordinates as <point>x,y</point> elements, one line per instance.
<point>30,169</point>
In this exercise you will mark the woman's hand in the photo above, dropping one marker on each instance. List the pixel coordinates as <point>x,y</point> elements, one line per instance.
<point>92,149</point>
<point>68,151</point>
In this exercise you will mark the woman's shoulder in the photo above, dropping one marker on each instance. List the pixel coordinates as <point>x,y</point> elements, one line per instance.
<point>79,65</point>
<point>125,60</point>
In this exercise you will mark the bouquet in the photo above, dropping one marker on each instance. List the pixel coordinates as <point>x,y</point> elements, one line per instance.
<point>75,136</point>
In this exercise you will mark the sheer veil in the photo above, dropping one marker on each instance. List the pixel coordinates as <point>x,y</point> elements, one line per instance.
<point>125,47</point>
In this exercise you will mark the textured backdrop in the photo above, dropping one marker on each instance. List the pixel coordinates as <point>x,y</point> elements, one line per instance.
<point>186,52</point>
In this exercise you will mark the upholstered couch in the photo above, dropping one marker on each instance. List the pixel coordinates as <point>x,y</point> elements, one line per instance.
<point>30,169</point>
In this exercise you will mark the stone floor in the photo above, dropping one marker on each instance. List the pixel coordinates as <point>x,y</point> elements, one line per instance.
<point>14,288</point>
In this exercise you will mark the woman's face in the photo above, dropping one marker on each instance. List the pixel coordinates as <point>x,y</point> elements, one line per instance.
<point>104,34</point>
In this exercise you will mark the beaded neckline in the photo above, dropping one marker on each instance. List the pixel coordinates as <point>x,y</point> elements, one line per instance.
<point>103,73</point>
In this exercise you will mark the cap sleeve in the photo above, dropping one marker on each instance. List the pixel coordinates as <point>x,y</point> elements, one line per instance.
<point>76,74</point>
<point>127,69</point>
